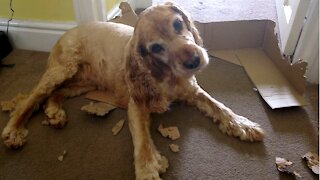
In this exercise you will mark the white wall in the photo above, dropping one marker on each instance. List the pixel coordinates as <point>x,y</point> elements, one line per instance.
<point>35,35</point>
<point>138,4</point>
<point>42,35</point>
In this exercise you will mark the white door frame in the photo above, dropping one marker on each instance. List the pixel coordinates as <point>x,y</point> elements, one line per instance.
<point>308,45</point>
<point>89,10</point>
<point>291,14</point>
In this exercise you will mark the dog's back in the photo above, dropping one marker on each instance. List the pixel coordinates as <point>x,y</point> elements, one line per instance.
<point>98,49</point>
<point>93,42</point>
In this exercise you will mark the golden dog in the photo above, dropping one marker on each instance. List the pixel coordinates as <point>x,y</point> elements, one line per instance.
<point>146,67</point>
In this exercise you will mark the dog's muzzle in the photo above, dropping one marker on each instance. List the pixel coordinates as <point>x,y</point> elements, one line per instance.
<point>193,62</point>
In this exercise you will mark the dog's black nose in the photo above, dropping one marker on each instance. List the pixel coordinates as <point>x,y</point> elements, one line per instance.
<point>192,63</point>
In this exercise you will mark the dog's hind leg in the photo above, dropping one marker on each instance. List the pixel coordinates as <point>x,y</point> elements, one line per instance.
<point>56,116</point>
<point>14,134</point>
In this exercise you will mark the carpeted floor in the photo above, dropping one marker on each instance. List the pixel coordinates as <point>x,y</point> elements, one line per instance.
<point>94,153</point>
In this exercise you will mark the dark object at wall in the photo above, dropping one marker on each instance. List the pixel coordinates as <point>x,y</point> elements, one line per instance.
<point>5,47</point>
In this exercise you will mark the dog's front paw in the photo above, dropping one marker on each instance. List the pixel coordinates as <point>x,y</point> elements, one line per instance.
<point>150,170</point>
<point>56,117</point>
<point>241,127</point>
<point>14,137</point>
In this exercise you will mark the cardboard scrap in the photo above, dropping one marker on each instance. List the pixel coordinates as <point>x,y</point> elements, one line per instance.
<point>11,104</point>
<point>117,128</point>
<point>61,157</point>
<point>129,17</point>
<point>171,132</point>
<point>45,123</point>
<point>98,108</point>
<point>174,147</point>
<point>284,166</point>
<point>312,160</point>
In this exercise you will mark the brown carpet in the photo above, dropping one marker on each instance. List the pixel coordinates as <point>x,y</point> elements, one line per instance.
<point>94,153</point>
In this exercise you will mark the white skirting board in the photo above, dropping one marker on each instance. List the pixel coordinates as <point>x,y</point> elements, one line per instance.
<point>42,35</point>
<point>35,35</point>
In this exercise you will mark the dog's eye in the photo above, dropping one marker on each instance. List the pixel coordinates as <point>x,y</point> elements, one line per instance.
<point>156,48</point>
<point>177,24</point>
<point>143,51</point>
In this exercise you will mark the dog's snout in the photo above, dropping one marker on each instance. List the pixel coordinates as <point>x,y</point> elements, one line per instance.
<point>193,62</point>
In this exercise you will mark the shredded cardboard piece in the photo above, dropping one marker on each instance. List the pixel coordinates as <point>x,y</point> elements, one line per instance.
<point>45,123</point>
<point>7,105</point>
<point>106,97</point>
<point>284,166</point>
<point>117,128</point>
<point>11,104</point>
<point>174,147</point>
<point>171,132</point>
<point>98,108</point>
<point>61,157</point>
<point>129,17</point>
<point>312,160</point>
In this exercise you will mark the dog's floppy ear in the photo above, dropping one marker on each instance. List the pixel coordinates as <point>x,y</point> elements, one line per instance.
<point>187,19</point>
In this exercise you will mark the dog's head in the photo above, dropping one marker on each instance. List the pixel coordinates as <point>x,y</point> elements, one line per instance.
<point>166,38</point>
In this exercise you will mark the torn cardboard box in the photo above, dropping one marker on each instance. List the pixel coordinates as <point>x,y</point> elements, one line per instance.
<point>252,44</point>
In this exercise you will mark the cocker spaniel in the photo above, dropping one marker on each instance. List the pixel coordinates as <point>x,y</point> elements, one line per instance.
<point>146,67</point>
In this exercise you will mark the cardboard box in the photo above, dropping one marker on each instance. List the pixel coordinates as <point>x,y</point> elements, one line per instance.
<point>252,44</point>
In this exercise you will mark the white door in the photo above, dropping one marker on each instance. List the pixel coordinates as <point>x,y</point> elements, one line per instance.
<point>291,16</point>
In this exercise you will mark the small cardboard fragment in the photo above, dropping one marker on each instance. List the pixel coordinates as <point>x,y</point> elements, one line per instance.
<point>285,166</point>
<point>312,160</point>
<point>11,104</point>
<point>106,97</point>
<point>45,123</point>
<point>61,157</point>
<point>117,128</point>
<point>98,108</point>
<point>174,147</point>
<point>170,132</point>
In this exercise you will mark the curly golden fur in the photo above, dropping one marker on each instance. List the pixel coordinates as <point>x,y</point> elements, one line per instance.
<point>146,67</point>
